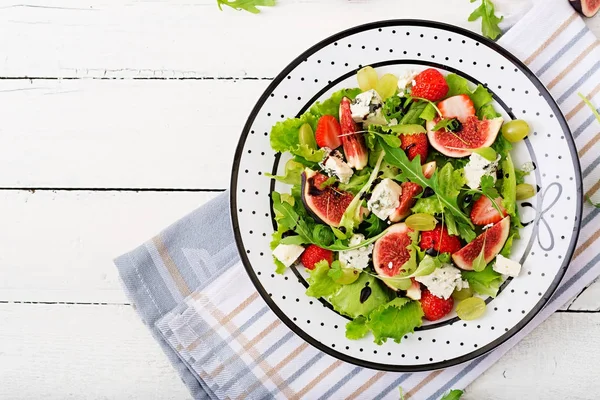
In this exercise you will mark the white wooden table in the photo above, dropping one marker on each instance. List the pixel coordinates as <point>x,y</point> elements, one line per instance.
<point>118,118</point>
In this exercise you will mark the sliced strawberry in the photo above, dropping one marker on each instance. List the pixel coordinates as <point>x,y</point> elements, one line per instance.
<point>415,144</point>
<point>440,240</point>
<point>484,212</point>
<point>313,254</point>
<point>430,84</point>
<point>407,201</point>
<point>435,307</point>
<point>353,141</point>
<point>460,107</point>
<point>328,132</point>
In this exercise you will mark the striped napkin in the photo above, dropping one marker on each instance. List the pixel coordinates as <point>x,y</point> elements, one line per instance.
<point>190,288</point>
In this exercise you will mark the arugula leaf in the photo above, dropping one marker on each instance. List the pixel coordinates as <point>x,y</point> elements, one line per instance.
<point>392,140</point>
<point>331,106</point>
<point>427,265</point>
<point>465,231</point>
<point>248,5</point>
<point>590,202</point>
<point>395,319</point>
<point>292,173</point>
<point>320,283</point>
<point>486,282</point>
<point>374,225</point>
<point>429,112</point>
<point>455,394</point>
<point>450,124</point>
<point>413,115</point>
<point>411,170</point>
<point>479,263</point>
<point>356,183</point>
<point>347,300</point>
<point>406,129</point>
<point>489,21</point>
<point>357,328</point>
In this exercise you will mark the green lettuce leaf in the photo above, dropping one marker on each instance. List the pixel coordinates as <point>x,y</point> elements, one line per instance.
<point>347,300</point>
<point>357,328</point>
<point>357,181</point>
<point>481,97</point>
<point>284,134</point>
<point>393,108</point>
<point>331,106</point>
<point>520,175</point>
<point>320,283</point>
<point>429,205</point>
<point>395,319</point>
<point>413,115</point>
<point>486,282</point>
<point>502,146</point>
<point>429,113</point>
<point>292,173</point>
<point>487,112</point>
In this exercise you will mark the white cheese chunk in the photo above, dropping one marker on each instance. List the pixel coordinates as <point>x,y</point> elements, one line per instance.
<point>357,258</point>
<point>367,108</point>
<point>442,281</point>
<point>406,78</point>
<point>288,253</point>
<point>506,266</point>
<point>477,167</point>
<point>334,165</point>
<point>385,198</point>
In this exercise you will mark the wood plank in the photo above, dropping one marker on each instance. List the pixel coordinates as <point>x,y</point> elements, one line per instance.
<point>181,38</point>
<point>59,246</point>
<point>82,352</point>
<point>59,352</point>
<point>122,133</point>
<point>547,364</point>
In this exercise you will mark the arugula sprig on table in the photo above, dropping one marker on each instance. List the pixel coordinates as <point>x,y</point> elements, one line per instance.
<point>489,20</point>
<point>247,5</point>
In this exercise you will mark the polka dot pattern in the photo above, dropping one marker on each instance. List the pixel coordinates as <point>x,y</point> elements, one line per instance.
<point>333,67</point>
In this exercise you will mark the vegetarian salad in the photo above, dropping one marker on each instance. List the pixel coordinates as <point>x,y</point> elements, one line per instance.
<point>403,200</point>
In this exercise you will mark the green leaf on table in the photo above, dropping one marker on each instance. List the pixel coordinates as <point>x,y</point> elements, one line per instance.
<point>248,5</point>
<point>320,283</point>
<point>590,106</point>
<point>357,328</point>
<point>590,202</point>
<point>455,394</point>
<point>395,319</point>
<point>489,20</point>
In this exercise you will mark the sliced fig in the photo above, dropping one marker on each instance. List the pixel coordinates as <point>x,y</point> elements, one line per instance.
<point>588,8</point>
<point>407,201</point>
<point>391,251</point>
<point>473,134</point>
<point>493,238</point>
<point>326,205</point>
<point>353,141</point>
<point>429,169</point>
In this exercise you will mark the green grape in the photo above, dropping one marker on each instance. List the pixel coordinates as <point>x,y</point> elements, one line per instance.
<point>421,222</point>
<point>462,294</point>
<point>349,276</point>
<point>367,78</point>
<point>486,152</point>
<point>471,308</point>
<point>515,130</point>
<point>525,191</point>
<point>306,136</point>
<point>387,85</point>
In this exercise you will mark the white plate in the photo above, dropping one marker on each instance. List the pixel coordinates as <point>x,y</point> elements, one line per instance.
<point>552,218</point>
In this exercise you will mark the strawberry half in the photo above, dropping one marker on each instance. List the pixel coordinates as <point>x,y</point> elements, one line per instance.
<point>407,200</point>
<point>439,239</point>
<point>353,141</point>
<point>435,307</point>
<point>484,212</point>
<point>328,132</point>
<point>430,84</point>
<point>415,144</point>
<point>460,107</point>
<point>313,254</point>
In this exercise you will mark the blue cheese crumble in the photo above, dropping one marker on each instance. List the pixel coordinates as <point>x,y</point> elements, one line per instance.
<point>442,281</point>
<point>477,167</point>
<point>385,198</point>
<point>334,165</point>
<point>357,258</point>
<point>367,108</point>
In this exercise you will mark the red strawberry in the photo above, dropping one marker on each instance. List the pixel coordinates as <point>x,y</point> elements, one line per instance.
<point>460,107</point>
<point>313,254</point>
<point>328,132</point>
<point>435,307</point>
<point>484,212</point>
<point>415,144</point>
<point>439,239</point>
<point>430,84</point>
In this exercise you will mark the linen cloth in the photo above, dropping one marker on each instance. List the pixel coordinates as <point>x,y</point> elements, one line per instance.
<point>190,288</point>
